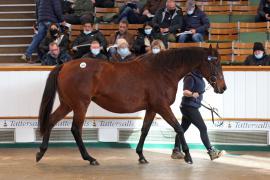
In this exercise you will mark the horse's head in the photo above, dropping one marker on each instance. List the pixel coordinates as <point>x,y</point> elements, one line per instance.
<point>211,69</point>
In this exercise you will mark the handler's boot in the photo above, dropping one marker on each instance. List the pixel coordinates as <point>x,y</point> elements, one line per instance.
<point>176,154</point>
<point>214,153</point>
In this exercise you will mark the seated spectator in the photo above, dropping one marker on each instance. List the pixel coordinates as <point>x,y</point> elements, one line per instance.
<point>81,44</point>
<point>123,53</point>
<point>103,3</point>
<point>195,24</point>
<point>95,51</point>
<point>144,39</point>
<point>53,35</point>
<point>83,11</point>
<point>67,6</point>
<point>122,33</point>
<point>263,12</point>
<point>146,13</point>
<point>168,20</point>
<point>55,56</point>
<point>259,57</point>
<point>157,46</point>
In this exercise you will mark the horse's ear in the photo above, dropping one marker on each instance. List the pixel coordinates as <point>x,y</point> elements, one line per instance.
<point>210,46</point>
<point>217,46</point>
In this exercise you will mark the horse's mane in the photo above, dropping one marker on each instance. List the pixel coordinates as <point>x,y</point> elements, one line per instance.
<point>173,58</point>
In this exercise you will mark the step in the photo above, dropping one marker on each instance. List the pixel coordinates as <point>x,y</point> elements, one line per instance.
<point>8,32</point>
<point>17,7</point>
<point>11,49</point>
<point>13,58</point>
<point>19,22</point>
<point>18,15</point>
<point>17,2</point>
<point>16,39</point>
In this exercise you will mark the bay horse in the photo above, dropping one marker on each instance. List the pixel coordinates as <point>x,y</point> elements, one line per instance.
<point>147,83</point>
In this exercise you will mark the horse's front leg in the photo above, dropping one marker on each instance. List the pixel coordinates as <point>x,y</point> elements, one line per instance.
<point>148,119</point>
<point>168,115</point>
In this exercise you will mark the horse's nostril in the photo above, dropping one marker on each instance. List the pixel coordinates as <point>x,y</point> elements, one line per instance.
<point>225,87</point>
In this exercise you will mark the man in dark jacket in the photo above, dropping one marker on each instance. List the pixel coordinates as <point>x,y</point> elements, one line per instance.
<point>195,24</point>
<point>263,12</point>
<point>259,57</point>
<point>168,20</point>
<point>82,43</point>
<point>95,52</point>
<point>47,11</point>
<point>55,56</point>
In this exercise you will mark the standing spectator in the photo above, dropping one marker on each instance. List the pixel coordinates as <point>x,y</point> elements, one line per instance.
<point>263,12</point>
<point>83,11</point>
<point>95,51</point>
<point>168,20</point>
<point>103,3</point>
<point>146,13</point>
<point>55,56</point>
<point>122,33</point>
<point>195,22</point>
<point>123,53</point>
<point>259,57</point>
<point>47,12</point>
<point>157,46</point>
<point>81,44</point>
<point>53,35</point>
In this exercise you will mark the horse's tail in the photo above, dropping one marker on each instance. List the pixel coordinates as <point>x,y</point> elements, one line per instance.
<point>47,101</point>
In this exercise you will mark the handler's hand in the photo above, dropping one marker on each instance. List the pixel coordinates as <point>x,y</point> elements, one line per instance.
<point>195,95</point>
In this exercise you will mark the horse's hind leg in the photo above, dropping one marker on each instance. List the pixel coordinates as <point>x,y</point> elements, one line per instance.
<point>148,119</point>
<point>76,129</point>
<point>168,115</point>
<point>59,114</point>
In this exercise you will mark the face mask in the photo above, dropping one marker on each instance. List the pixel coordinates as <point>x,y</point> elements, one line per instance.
<point>189,12</point>
<point>123,52</point>
<point>147,31</point>
<point>54,32</point>
<point>258,56</point>
<point>155,50</point>
<point>95,51</point>
<point>86,32</point>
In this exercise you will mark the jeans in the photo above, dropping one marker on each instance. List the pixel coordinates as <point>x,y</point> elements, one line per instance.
<point>197,37</point>
<point>42,30</point>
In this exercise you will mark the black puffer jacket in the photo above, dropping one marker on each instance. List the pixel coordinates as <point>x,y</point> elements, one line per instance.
<point>49,10</point>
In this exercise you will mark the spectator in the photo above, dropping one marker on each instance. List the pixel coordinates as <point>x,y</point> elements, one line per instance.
<point>55,56</point>
<point>123,53</point>
<point>83,11</point>
<point>95,51</point>
<point>144,39</point>
<point>129,5</point>
<point>53,35</point>
<point>47,12</point>
<point>67,6</point>
<point>81,44</point>
<point>195,23</point>
<point>146,13</point>
<point>168,20</point>
<point>122,33</point>
<point>103,3</point>
<point>157,46</point>
<point>258,57</point>
<point>263,12</point>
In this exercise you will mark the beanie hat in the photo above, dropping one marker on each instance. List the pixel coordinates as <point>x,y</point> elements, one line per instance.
<point>258,46</point>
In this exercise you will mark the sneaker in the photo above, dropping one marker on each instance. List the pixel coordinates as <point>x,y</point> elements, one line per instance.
<point>31,61</point>
<point>25,58</point>
<point>177,155</point>
<point>214,153</point>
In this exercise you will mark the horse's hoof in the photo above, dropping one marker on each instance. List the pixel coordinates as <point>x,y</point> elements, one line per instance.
<point>94,163</point>
<point>177,155</point>
<point>188,159</point>
<point>143,161</point>
<point>39,156</point>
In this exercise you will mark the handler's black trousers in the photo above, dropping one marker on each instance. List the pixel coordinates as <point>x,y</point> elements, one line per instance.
<point>192,115</point>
